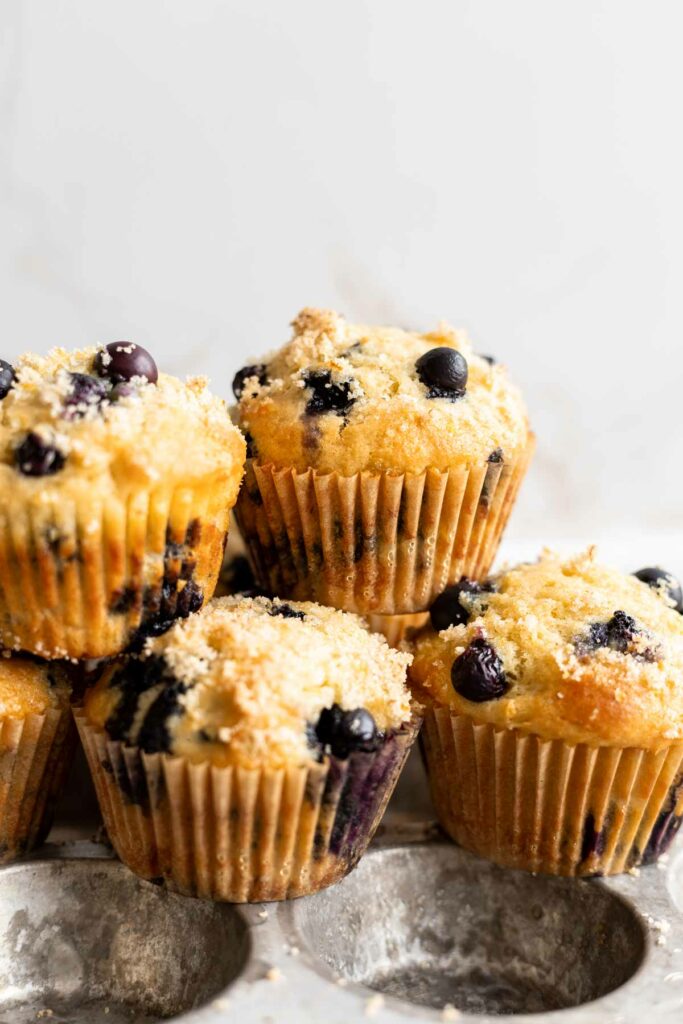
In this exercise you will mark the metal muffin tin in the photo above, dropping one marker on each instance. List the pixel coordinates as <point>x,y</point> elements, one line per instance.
<point>421,930</point>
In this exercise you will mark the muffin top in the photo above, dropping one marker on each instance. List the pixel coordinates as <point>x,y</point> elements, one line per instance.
<point>30,687</point>
<point>347,398</point>
<point>565,648</point>
<point>254,682</point>
<point>107,417</point>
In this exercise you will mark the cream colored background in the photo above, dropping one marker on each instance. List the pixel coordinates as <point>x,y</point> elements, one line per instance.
<point>188,173</point>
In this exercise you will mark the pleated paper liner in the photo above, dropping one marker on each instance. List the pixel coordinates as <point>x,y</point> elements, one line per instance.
<point>375,543</point>
<point>35,756</point>
<point>398,628</point>
<point>241,835</point>
<point>548,806</point>
<point>78,577</point>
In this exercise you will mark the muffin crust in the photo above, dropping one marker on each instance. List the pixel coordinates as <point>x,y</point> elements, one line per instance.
<point>30,687</point>
<point>589,655</point>
<point>349,398</point>
<point>250,677</point>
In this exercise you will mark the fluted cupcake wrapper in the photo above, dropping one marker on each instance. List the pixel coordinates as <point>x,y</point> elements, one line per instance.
<point>78,577</point>
<point>35,756</point>
<point>548,806</point>
<point>241,835</point>
<point>375,543</point>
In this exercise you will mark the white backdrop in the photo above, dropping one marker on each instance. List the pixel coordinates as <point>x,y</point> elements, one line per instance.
<point>188,173</point>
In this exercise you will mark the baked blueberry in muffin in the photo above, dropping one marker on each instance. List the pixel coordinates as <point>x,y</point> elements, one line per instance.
<point>570,675</point>
<point>371,449</point>
<point>297,718</point>
<point>116,482</point>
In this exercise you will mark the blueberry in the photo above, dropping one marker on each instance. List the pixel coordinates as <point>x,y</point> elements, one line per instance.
<point>85,391</point>
<point>34,457</point>
<point>617,634</point>
<point>7,378</point>
<point>281,608</point>
<point>661,579</point>
<point>496,456</point>
<point>122,360</point>
<point>444,372</point>
<point>190,600</point>
<point>327,396</point>
<point>448,610</point>
<point>344,732</point>
<point>258,370</point>
<point>478,675</point>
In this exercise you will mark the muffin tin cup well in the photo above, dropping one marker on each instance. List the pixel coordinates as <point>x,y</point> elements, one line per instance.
<point>241,835</point>
<point>80,572</point>
<point>375,543</point>
<point>548,806</point>
<point>35,756</point>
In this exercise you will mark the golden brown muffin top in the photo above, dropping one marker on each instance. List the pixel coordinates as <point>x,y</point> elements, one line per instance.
<point>29,687</point>
<point>68,421</point>
<point>567,649</point>
<point>244,682</point>
<point>348,398</point>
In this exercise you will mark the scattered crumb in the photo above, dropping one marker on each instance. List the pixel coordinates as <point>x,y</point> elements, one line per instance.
<point>660,926</point>
<point>274,974</point>
<point>374,1005</point>
<point>221,1004</point>
<point>449,1012</point>
<point>341,982</point>
<point>635,871</point>
<point>42,1014</point>
<point>292,950</point>
<point>674,976</point>
<point>263,914</point>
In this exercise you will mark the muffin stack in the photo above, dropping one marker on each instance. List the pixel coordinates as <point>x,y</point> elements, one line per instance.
<point>244,748</point>
<point>115,489</point>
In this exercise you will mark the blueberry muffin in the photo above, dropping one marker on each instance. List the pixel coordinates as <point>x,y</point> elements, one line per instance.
<point>383,464</point>
<point>115,486</point>
<point>36,745</point>
<point>249,752</point>
<point>554,714</point>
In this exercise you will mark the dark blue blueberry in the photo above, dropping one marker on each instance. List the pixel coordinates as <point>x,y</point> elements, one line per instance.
<point>7,378</point>
<point>134,678</point>
<point>85,391</point>
<point>120,361</point>
<point>34,457</point>
<point>443,371</point>
<point>448,610</point>
<point>661,579</point>
<point>478,675</point>
<point>343,732</point>
<point>617,634</point>
<point>190,600</point>
<point>154,736</point>
<point>285,611</point>
<point>327,396</point>
<point>258,370</point>
<point>496,455</point>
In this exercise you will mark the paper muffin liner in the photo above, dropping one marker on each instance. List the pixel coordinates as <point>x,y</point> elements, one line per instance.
<point>375,543</point>
<point>35,756</point>
<point>548,806</point>
<point>398,629</point>
<point>241,835</point>
<point>79,577</point>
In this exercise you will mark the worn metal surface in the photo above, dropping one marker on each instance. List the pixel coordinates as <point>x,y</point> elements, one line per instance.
<point>420,924</point>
